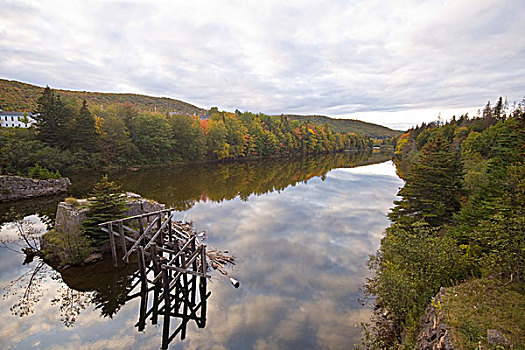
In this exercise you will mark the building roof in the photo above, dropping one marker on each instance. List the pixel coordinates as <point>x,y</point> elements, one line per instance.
<point>21,114</point>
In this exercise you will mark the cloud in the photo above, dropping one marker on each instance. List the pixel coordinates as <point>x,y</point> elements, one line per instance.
<point>345,59</point>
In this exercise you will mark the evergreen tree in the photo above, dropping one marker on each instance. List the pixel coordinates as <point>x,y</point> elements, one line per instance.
<point>51,115</point>
<point>85,132</point>
<point>108,203</point>
<point>433,188</point>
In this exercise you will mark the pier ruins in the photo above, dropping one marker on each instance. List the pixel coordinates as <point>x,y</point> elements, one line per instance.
<point>174,264</point>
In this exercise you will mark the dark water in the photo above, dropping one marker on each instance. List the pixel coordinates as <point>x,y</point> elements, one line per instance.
<point>301,230</point>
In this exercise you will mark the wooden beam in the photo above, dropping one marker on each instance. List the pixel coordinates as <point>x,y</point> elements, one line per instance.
<point>136,216</point>
<point>134,247</point>
<point>152,240</point>
<point>182,270</point>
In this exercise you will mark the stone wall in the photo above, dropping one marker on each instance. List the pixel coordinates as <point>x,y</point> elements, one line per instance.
<point>70,214</point>
<point>16,187</point>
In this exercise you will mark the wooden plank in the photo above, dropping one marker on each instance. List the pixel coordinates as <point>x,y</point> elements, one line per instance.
<point>176,255</point>
<point>137,242</point>
<point>170,227</point>
<point>182,270</point>
<point>141,228</point>
<point>132,230</point>
<point>179,230</point>
<point>166,250</point>
<point>136,216</point>
<point>152,240</point>
<point>116,234</point>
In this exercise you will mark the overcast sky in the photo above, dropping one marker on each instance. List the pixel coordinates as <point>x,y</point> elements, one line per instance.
<point>391,62</point>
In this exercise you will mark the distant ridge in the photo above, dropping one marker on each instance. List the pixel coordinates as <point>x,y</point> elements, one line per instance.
<point>22,97</point>
<point>349,125</point>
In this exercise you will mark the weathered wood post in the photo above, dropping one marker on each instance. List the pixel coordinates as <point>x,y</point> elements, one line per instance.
<point>123,240</point>
<point>141,228</point>
<point>112,244</point>
<point>203,286</point>
<point>170,229</point>
<point>156,270</point>
<point>167,308</point>
<point>142,266</point>
<point>185,294</point>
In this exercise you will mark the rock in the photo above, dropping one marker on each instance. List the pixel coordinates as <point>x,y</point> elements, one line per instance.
<point>69,216</point>
<point>496,338</point>
<point>433,334</point>
<point>17,187</point>
<point>92,258</point>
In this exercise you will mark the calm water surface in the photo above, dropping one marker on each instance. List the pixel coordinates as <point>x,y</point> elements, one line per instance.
<point>301,230</point>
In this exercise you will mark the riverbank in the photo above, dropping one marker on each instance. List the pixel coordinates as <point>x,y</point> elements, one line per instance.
<point>459,223</point>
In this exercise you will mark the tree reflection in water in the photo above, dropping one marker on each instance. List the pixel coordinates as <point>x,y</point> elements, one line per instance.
<point>109,289</point>
<point>183,186</point>
<point>32,286</point>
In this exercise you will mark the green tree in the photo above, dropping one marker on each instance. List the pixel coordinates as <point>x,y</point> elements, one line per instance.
<point>188,139</point>
<point>85,133</point>
<point>52,117</point>
<point>151,134</point>
<point>433,186</point>
<point>107,203</point>
<point>115,140</point>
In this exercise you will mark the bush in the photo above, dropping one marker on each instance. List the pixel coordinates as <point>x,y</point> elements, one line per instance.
<point>66,248</point>
<point>410,268</point>
<point>41,173</point>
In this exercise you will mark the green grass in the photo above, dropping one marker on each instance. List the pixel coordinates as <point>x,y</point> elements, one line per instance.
<point>480,304</point>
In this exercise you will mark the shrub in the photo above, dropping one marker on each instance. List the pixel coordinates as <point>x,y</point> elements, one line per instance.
<point>42,173</point>
<point>410,268</point>
<point>66,248</point>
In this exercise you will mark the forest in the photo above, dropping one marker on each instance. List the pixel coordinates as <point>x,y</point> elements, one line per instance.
<point>71,137</point>
<point>460,224</point>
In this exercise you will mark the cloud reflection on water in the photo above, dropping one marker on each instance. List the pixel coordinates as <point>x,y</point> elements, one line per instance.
<point>301,261</point>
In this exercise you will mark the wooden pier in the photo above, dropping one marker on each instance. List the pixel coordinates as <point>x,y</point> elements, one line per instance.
<point>172,269</point>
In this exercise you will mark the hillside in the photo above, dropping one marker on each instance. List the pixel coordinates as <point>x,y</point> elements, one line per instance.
<point>17,96</point>
<point>22,97</point>
<point>349,125</point>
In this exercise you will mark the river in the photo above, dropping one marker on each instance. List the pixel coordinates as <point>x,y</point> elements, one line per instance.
<point>301,230</point>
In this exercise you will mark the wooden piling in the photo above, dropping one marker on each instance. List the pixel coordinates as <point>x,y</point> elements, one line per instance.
<point>167,309</point>
<point>112,244</point>
<point>123,240</point>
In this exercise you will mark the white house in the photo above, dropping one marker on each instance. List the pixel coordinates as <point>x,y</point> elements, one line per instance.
<point>16,119</point>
